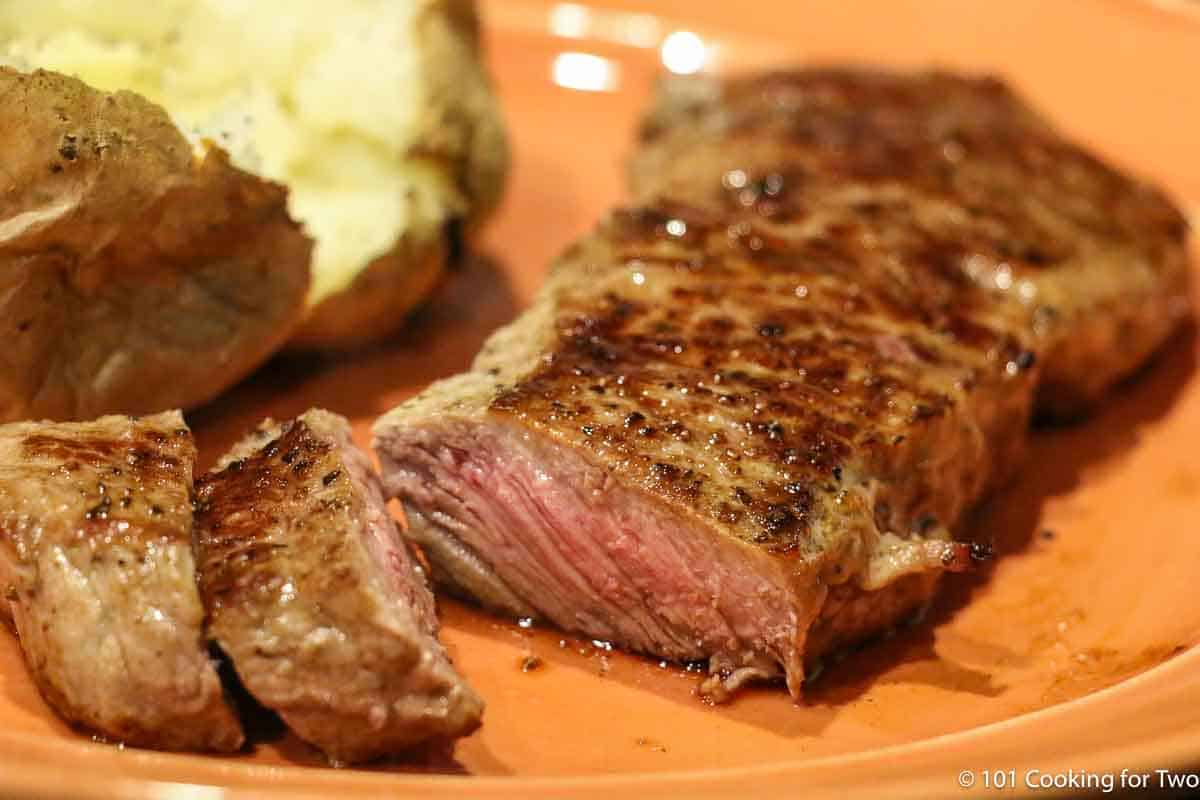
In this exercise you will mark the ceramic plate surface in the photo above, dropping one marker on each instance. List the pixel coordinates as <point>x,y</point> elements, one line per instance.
<point>1075,650</point>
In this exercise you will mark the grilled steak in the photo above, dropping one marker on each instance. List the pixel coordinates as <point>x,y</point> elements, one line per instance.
<point>313,594</point>
<point>96,563</point>
<point>742,420</point>
<point>1094,259</point>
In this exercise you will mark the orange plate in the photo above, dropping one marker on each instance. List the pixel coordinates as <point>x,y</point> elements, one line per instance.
<point>1075,650</point>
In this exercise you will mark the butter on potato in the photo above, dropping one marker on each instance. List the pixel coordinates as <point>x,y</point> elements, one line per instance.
<point>376,114</point>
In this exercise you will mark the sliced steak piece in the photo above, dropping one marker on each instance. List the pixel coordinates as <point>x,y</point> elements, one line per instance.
<point>315,597</point>
<point>741,420</point>
<point>1094,258</point>
<point>97,568</point>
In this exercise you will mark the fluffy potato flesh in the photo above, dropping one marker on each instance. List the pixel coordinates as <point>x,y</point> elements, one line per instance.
<point>374,113</point>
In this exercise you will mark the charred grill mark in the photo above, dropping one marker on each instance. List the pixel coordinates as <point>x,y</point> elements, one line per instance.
<point>149,456</point>
<point>132,486</point>
<point>780,517</point>
<point>236,513</point>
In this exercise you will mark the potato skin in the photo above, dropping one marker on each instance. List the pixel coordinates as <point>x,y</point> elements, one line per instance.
<point>380,297</point>
<point>462,135</point>
<point>136,272</point>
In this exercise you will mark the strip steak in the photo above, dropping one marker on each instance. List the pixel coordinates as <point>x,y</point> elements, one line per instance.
<point>743,420</point>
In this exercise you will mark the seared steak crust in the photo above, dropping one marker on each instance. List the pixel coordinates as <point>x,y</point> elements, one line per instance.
<point>1094,258</point>
<point>97,568</point>
<point>752,409</point>
<point>759,379</point>
<point>313,594</point>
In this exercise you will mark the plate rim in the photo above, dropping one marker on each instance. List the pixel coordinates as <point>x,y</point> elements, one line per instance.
<point>1163,683</point>
<point>1176,746</point>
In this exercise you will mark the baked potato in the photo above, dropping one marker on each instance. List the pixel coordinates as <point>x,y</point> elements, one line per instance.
<point>377,116</point>
<point>138,271</point>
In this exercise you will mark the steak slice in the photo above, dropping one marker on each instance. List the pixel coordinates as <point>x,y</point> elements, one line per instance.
<point>693,435</point>
<point>315,597</point>
<point>741,427</point>
<point>1095,259</point>
<point>96,563</point>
